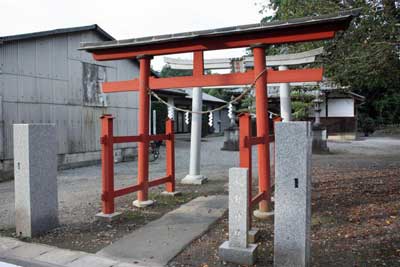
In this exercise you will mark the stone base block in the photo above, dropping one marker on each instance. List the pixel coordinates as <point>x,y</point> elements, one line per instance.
<point>194,179</point>
<point>230,146</point>
<point>245,256</point>
<point>253,235</point>
<point>108,217</point>
<point>142,204</point>
<point>171,194</point>
<point>263,215</point>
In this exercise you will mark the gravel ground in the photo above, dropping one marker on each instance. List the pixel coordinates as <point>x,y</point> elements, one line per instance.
<point>375,158</point>
<point>79,197</point>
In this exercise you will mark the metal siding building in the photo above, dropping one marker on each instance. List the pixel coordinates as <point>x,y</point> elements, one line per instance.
<point>44,78</point>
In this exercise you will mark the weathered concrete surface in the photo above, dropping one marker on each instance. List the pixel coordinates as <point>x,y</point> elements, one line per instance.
<point>161,240</point>
<point>37,255</point>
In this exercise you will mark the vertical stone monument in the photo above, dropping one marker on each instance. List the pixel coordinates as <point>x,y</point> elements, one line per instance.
<point>35,171</point>
<point>237,249</point>
<point>293,142</point>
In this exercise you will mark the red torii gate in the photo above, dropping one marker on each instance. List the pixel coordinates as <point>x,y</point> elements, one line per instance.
<point>256,36</point>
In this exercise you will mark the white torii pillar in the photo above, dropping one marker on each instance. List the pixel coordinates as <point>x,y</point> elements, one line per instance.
<point>194,176</point>
<point>286,103</point>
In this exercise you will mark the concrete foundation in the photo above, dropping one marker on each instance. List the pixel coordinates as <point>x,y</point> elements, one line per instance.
<point>142,204</point>
<point>245,256</point>
<point>108,217</point>
<point>253,235</point>
<point>171,194</point>
<point>262,215</point>
<point>194,179</point>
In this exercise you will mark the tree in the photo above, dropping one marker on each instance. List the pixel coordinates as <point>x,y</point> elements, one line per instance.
<point>366,57</point>
<point>167,71</point>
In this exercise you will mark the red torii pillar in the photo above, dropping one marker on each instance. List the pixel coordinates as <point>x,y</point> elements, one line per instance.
<point>143,131</point>
<point>264,178</point>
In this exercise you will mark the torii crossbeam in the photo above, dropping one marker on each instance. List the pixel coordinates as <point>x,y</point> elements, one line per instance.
<point>256,36</point>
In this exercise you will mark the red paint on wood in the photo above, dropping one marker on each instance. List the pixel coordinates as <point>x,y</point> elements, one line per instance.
<point>285,76</point>
<point>306,33</point>
<point>107,164</point>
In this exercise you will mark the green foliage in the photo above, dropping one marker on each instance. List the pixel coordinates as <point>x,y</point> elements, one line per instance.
<point>168,72</point>
<point>300,110</point>
<point>367,125</point>
<point>161,116</point>
<point>247,103</point>
<point>221,93</point>
<point>365,57</point>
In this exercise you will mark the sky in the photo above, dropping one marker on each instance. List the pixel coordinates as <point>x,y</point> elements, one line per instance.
<point>130,18</point>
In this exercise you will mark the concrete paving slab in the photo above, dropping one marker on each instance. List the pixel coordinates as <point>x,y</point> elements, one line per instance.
<point>5,264</point>
<point>28,251</point>
<point>60,256</point>
<point>9,243</point>
<point>21,253</point>
<point>125,264</point>
<point>161,240</point>
<point>92,260</point>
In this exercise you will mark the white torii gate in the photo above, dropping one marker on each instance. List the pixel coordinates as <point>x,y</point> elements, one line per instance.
<point>236,65</point>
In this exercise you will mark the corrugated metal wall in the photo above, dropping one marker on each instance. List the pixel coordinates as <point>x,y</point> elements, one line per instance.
<point>47,80</point>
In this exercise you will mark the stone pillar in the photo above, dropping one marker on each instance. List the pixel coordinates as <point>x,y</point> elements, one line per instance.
<point>194,176</point>
<point>231,134</point>
<point>292,194</point>
<point>286,103</point>
<point>35,170</point>
<point>237,249</point>
<point>319,131</point>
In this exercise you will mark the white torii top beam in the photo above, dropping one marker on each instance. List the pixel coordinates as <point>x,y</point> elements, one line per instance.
<point>248,61</point>
<point>240,64</point>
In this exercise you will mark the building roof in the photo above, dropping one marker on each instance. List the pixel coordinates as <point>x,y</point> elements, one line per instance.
<point>176,92</point>
<point>343,16</point>
<point>33,35</point>
<point>206,97</point>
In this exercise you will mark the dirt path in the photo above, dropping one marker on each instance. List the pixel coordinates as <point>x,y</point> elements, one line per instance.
<point>355,206</point>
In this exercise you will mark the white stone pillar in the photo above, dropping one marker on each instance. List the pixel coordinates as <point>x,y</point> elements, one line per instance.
<point>35,170</point>
<point>286,104</point>
<point>194,176</point>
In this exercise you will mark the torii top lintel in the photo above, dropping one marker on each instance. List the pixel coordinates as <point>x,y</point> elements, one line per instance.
<point>296,30</point>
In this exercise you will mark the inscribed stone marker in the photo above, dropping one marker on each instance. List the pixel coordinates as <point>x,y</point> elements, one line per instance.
<point>35,168</point>
<point>292,194</point>
<point>237,249</point>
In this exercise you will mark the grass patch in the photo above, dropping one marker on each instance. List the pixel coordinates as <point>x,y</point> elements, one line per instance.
<point>171,201</point>
<point>133,215</point>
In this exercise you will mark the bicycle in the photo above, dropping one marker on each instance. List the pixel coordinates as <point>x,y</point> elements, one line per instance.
<point>154,150</point>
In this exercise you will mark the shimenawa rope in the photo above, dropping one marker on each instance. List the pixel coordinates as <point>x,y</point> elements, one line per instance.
<point>245,91</point>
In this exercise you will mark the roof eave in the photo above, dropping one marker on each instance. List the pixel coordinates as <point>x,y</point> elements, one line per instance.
<point>344,18</point>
